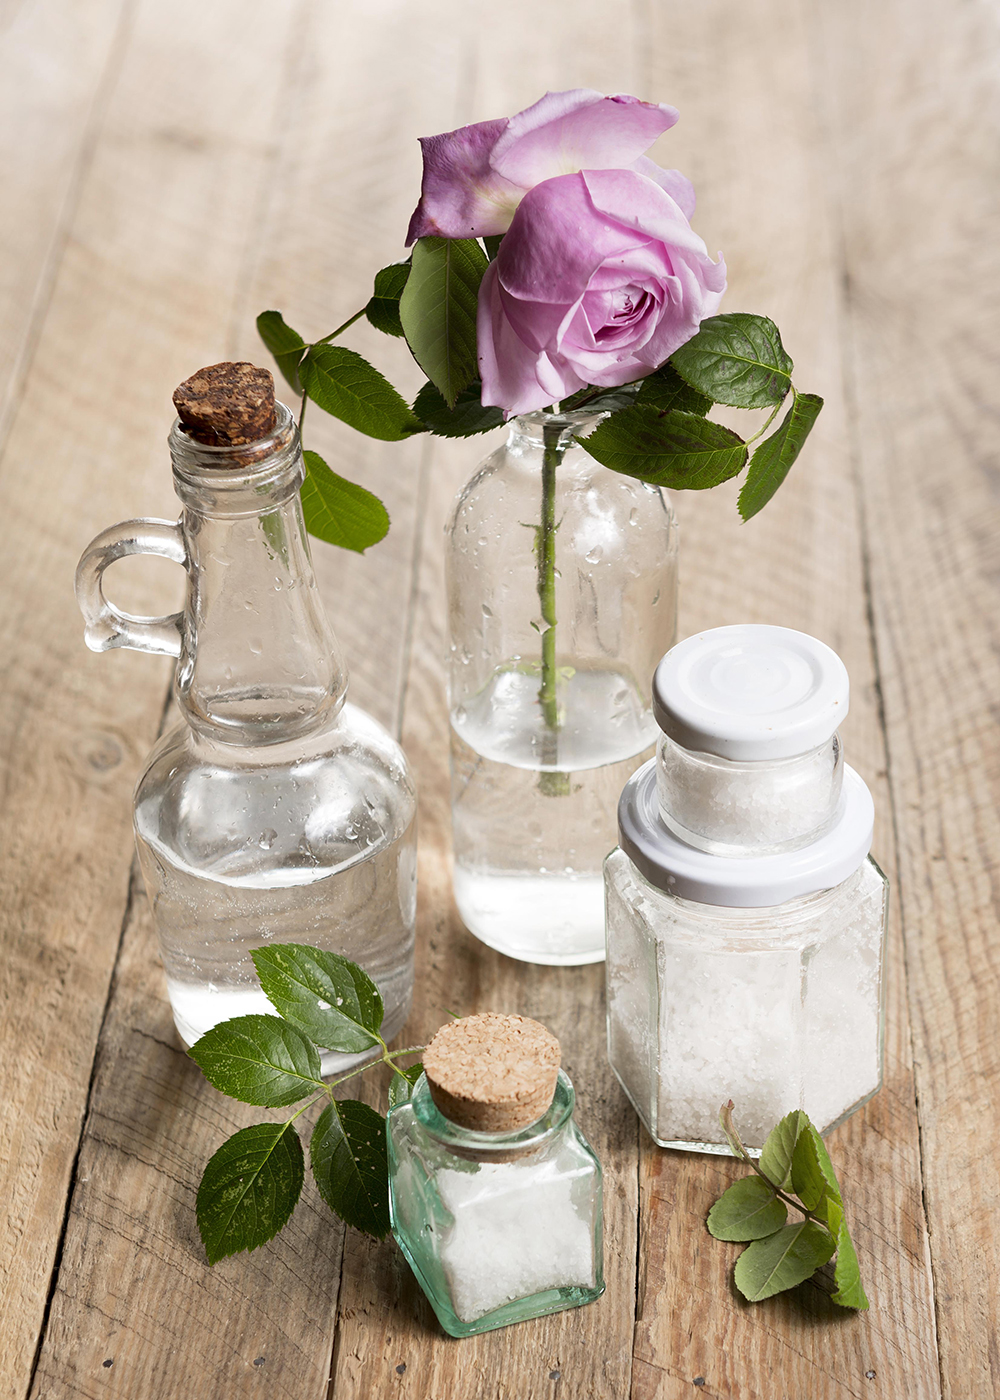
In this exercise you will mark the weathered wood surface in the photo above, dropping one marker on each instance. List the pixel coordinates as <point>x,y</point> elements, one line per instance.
<point>183,166</point>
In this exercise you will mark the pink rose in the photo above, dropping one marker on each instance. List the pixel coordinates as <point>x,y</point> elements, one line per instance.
<point>475,178</point>
<point>599,280</point>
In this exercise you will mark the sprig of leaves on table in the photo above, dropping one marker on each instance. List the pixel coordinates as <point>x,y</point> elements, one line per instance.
<point>658,430</point>
<point>252,1184</point>
<point>794,1160</point>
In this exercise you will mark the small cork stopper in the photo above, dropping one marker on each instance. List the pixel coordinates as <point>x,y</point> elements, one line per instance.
<point>227,405</point>
<point>492,1073</point>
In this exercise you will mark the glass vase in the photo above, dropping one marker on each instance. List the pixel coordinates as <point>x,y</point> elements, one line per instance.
<point>275,811</point>
<point>562,597</point>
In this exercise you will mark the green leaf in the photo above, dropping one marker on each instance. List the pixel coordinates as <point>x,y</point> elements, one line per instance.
<point>339,511</point>
<point>286,345</point>
<point>492,242</point>
<point>467,418</point>
<point>784,1259</point>
<point>776,1157</point>
<point>259,1060</point>
<point>249,1189</point>
<point>322,994</point>
<point>736,359</point>
<point>849,1292</point>
<point>808,1181</point>
<point>350,1164</point>
<point>773,459</point>
<point>383,308</point>
<point>680,450</point>
<point>401,1084</point>
<point>749,1210</point>
<point>665,389</point>
<point>596,400</point>
<point>825,1165</point>
<point>438,311</point>
<point>344,384</point>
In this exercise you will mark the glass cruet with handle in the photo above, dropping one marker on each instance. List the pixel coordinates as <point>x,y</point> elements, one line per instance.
<point>275,810</point>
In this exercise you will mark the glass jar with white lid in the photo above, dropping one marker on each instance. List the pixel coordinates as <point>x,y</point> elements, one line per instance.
<point>745,917</point>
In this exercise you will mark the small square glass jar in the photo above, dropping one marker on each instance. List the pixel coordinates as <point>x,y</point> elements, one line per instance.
<point>497,1226</point>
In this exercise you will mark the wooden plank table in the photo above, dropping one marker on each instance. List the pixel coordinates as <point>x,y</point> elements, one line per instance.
<point>169,169</point>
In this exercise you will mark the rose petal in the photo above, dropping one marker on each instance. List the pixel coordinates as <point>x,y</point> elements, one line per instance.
<point>555,244</point>
<point>507,366</point>
<point>577,130</point>
<point>461,195</point>
<point>678,186</point>
<point>634,201</point>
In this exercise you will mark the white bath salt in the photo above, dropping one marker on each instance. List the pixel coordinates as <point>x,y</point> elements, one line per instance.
<point>747,806</point>
<point>516,1233</point>
<point>775,1019</point>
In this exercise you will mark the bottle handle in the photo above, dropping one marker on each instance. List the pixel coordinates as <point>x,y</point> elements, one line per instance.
<point>108,626</point>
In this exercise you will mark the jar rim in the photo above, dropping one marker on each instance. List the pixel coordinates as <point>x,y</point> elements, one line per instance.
<point>744,881</point>
<point>243,479</point>
<point>470,1140</point>
<point>569,423</point>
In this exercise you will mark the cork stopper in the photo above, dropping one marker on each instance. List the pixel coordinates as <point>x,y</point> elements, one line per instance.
<point>227,405</point>
<point>492,1073</point>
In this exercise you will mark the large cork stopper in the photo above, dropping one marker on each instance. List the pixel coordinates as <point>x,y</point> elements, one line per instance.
<point>227,405</point>
<point>492,1073</point>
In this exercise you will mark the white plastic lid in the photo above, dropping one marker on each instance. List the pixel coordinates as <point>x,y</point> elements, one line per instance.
<point>751,692</point>
<point>742,882</point>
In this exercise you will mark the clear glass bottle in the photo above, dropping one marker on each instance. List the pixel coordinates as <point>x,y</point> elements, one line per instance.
<point>500,1225</point>
<point>746,963</point>
<point>562,591</point>
<point>275,811</point>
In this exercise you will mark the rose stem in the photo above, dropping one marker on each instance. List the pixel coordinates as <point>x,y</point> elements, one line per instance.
<point>550,783</point>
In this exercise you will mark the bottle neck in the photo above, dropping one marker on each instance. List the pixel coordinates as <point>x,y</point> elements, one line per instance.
<point>556,431</point>
<point>475,1146</point>
<point>259,660</point>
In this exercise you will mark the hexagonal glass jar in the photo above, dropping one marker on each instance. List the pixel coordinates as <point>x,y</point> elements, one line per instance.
<point>745,918</point>
<point>776,1008</point>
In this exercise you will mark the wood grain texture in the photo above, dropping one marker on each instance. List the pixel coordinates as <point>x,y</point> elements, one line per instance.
<point>59,61</point>
<point>133,1286</point>
<point>147,280</point>
<point>763,200</point>
<point>240,155</point>
<point>922,315</point>
<point>384,1322</point>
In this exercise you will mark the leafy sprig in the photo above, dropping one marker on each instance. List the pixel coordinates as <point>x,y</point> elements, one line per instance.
<point>656,429</point>
<point>252,1184</point>
<point>666,440</point>
<point>794,1163</point>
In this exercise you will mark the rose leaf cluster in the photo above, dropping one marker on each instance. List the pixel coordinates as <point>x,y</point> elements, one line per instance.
<point>554,267</point>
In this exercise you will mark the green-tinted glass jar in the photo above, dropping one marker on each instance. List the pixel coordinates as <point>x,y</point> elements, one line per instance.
<point>497,1226</point>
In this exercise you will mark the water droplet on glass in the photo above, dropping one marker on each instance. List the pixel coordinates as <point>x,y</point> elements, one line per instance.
<point>267,838</point>
<point>256,645</point>
<point>487,611</point>
<point>593,555</point>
